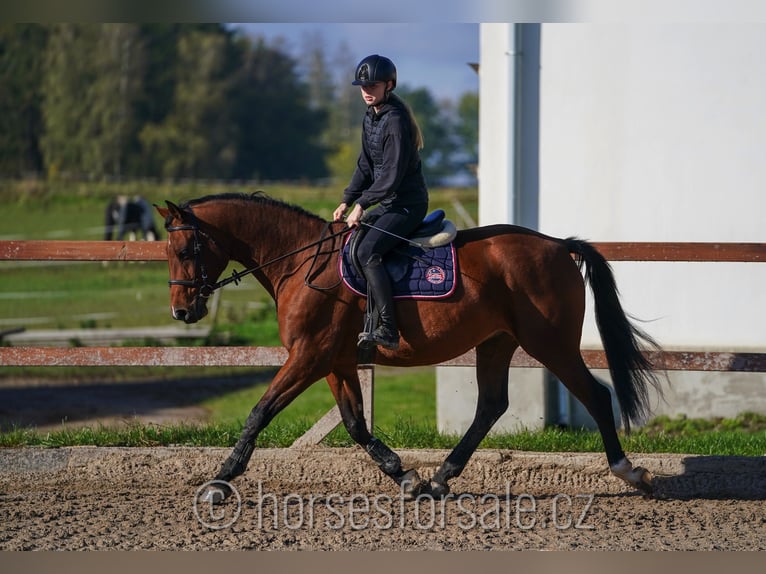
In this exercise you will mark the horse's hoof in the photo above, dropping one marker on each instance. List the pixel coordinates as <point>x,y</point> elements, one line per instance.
<point>438,489</point>
<point>643,481</point>
<point>637,477</point>
<point>412,485</point>
<point>216,493</point>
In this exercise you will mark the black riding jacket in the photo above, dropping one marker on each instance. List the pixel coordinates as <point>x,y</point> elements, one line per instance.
<point>389,170</point>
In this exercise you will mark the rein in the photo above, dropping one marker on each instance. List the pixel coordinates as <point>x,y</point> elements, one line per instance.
<point>206,289</point>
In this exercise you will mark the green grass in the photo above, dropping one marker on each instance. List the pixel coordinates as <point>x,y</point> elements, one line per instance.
<point>403,434</point>
<point>399,394</point>
<point>402,397</point>
<point>131,435</point>
<point>40,210</point>
<point>405,417</point>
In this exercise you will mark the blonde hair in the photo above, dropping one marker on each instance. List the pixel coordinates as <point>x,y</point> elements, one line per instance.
<point>417,134</point>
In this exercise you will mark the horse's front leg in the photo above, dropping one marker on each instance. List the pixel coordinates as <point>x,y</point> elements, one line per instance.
<point>291,380</point>
<point>348,394</point>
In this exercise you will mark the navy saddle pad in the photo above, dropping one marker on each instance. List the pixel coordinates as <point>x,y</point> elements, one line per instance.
<point>416,272</point>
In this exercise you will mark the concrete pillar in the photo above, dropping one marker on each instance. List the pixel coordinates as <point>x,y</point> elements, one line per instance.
<point>508,193</point>
<point>531,403</point>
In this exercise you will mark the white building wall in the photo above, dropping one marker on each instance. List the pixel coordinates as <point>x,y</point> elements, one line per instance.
<point>497,88</point>
<point>657,133</point>
<point>648,132</point>
<point>507,194</point>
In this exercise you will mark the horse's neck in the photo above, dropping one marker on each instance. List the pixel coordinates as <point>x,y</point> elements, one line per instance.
<point>262,235</point>
<point>274,234</point>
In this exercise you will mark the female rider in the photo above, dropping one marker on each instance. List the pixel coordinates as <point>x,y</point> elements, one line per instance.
<point>389,176</point>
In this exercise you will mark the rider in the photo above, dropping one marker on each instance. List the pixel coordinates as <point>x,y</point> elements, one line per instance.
<point>388,173</point>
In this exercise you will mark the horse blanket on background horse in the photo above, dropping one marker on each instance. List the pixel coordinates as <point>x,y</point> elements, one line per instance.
<point>129,216</point>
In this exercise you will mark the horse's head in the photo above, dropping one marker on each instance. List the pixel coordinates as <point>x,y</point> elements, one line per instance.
<point>195,261</point>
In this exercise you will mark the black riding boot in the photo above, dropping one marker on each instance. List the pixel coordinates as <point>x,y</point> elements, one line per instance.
<point>379,288</point>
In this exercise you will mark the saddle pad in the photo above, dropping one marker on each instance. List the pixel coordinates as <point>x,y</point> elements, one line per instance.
<point>416,273</point>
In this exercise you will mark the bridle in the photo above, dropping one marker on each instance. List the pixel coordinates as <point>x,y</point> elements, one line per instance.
<point>201,279</point>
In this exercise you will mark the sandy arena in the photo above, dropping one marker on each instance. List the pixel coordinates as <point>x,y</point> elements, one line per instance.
<point>90,498</point>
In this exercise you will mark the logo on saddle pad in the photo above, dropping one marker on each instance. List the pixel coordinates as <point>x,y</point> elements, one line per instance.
<point>416,272</point>
<point>435,275</point>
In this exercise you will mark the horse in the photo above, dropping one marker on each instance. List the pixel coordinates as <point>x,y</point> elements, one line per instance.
<point>517,288</point>
<point>129,216</point>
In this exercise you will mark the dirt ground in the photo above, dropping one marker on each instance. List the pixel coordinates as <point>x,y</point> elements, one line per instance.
<point>90,498</point>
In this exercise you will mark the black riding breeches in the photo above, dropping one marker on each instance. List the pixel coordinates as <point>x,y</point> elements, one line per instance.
<point>395,220</point>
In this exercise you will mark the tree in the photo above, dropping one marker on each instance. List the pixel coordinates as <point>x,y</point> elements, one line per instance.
<point>467,130</point>
<point>279,134</point>
<point>437,124</point>
<point>315,71</point>
<point>21,55</point>
<point>196,101</point>
<point>345,119</point>
<point>196,138</point>
<point>119,62</point>
<point>68,70</point>
<point>161,70</point>
<point>92,78</point>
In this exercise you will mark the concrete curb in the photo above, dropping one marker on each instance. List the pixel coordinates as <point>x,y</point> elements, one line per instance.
<point>316,468</point>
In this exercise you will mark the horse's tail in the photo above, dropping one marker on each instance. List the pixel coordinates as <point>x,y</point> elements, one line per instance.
<point>623,342</point>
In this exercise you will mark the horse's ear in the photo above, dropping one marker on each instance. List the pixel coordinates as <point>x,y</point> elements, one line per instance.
<point>163,211</point>
<point>174,210</point>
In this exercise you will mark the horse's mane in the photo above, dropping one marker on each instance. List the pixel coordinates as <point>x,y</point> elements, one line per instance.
<point>256,197</point>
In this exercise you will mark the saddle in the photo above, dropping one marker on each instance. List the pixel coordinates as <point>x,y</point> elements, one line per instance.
<point>423,267</point>
<point>434,230</point>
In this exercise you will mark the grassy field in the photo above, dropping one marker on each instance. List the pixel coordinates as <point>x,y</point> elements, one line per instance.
<point>404,417</point>
<point>76,211</point>
<point>405,434</point>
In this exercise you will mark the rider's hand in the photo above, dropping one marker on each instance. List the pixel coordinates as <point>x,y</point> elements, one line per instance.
<point>355,216</point>
<point>339,212</point>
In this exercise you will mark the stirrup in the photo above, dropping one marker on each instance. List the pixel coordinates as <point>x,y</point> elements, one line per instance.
<point>368,340</point>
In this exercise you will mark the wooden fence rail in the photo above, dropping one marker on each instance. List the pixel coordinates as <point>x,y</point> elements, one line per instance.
<point>274,356</point>
<point>43,250</point>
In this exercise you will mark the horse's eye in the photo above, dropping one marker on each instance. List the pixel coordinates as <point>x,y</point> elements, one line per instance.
<point>183,254</point>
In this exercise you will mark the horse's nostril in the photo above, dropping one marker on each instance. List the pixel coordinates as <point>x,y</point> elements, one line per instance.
<point>179,314</point>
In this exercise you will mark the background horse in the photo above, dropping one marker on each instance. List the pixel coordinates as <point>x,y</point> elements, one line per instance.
<point>516,288</point>
<point>129,216</point>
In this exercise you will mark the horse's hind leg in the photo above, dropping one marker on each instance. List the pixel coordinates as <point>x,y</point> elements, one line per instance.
<point>348,394</point>
<point>493,359</point>
<point>596,398</point>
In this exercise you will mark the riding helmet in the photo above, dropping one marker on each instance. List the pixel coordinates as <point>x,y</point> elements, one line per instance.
<point>373,69</point>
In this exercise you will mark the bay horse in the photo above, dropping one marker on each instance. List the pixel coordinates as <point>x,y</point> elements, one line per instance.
<point>516,288</point>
